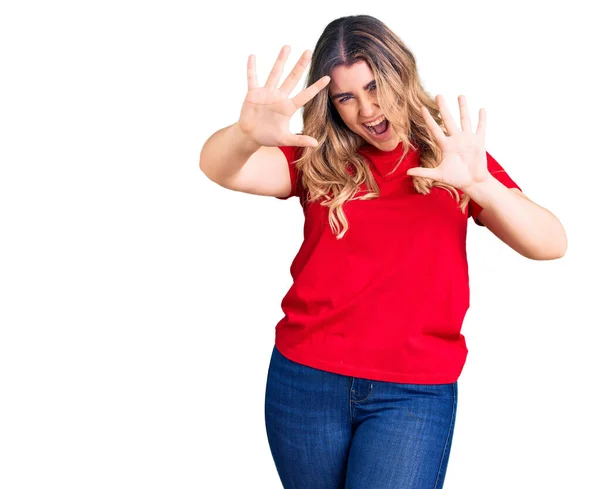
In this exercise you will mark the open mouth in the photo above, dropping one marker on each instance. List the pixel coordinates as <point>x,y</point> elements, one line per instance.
<point>380,130</point>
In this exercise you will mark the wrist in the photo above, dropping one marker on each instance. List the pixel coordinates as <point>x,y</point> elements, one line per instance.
<point>484,190</point>
<point>243,139</point>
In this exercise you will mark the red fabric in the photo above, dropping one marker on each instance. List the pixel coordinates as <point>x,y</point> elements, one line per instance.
<point>292,153</point>
<point>500,174</point>
<point>387,301</point>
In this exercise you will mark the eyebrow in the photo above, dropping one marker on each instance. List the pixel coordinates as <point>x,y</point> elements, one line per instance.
<point>344,94</point>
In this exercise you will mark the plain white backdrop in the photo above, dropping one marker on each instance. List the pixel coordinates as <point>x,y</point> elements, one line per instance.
<point>138,299</point>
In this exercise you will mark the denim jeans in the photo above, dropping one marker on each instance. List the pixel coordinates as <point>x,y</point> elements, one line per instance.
<point>331,431</point>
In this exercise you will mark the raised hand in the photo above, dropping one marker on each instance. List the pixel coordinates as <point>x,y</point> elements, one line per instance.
<point>266,111</point>
<point>464,160</point>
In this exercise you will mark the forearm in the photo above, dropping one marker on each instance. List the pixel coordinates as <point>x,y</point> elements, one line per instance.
<point>225,153</point>
<point>528,228</point>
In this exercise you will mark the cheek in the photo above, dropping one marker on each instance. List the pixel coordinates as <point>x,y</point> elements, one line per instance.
<point>347,115</point>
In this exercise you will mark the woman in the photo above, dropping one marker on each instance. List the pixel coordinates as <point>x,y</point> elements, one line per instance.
<point>362,385</point>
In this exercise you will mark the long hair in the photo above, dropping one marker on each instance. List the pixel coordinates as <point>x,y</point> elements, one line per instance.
<point>324,169</point>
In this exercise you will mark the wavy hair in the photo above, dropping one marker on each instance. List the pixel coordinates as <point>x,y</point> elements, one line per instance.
<point>324,169</point>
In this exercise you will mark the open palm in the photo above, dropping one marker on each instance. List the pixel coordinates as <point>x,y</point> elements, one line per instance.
<point>464,160</point>
<point>266,111</point>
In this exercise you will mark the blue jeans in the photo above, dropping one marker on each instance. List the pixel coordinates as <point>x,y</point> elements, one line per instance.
<point>331,431</point>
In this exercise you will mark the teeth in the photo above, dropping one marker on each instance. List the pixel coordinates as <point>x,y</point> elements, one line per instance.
<point>378,121</point>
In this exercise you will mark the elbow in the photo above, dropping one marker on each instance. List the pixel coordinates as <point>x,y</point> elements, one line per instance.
<point>207,173</point>
<point>203,167</point>
<point>202,158</point>
<point>555,246</point>
<point>563,243</point>
<point>203,170</point>
<point>550,252</point>
<point>553,256</point>
<point>200,161</point>
<point>563,250</point>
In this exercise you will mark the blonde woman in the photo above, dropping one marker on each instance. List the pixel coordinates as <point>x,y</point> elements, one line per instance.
<point>362,384</point>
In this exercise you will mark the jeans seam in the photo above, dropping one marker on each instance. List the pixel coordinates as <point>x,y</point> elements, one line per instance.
<point>447,436</point>
<point>366,398</point>
<point>350,406</point>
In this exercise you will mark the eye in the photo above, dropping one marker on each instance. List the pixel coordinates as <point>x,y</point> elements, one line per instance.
<point>372,89</point>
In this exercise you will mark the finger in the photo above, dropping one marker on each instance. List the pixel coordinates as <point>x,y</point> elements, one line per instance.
<point>465,119</point>
<point>251,72</point>
<point>423,172</point>
<point>433,126</point>
<point>307,94</point>
<point>277,69</point>
<point>481,125</point>
<point>292,79</point>
<point>447,116</point>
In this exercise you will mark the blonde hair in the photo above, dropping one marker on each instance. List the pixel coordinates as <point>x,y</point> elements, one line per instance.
<point>324,169</point>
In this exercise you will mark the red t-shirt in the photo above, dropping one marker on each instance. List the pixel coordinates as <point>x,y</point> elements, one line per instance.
<point>387,301</point>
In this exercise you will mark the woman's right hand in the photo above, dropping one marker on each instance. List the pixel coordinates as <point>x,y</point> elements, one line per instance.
<point>266,111</point>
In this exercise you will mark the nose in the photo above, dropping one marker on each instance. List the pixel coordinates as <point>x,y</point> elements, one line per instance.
<point>367,109</point>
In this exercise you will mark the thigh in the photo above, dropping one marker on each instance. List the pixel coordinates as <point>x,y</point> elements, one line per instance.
<point>307,418</point>
<point>403,436</point>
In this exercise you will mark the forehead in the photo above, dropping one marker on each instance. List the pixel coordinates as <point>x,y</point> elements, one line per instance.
<point>348,79</point>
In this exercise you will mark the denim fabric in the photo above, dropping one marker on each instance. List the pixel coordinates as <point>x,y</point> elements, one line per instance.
<point>330,431</point>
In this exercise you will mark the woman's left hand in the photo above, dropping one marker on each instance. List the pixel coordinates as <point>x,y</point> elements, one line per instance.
<point>464,161</point>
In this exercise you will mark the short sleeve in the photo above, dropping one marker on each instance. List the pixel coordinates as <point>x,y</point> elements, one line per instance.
<point>292,154</point>
<point>499,174</point>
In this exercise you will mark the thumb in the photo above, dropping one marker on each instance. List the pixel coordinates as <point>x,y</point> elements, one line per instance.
<point>422,172</point>
<point>303,141</point>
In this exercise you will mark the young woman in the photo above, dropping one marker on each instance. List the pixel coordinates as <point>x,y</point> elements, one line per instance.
<point>362,385</point>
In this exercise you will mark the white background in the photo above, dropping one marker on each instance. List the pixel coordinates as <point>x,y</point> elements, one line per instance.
<point>138,299</point>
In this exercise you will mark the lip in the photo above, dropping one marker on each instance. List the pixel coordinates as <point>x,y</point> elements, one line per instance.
<point>380,137</point>
<point>372,120</point>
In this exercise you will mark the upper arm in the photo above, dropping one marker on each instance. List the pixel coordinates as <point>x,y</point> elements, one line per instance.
<point>267,172</point>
